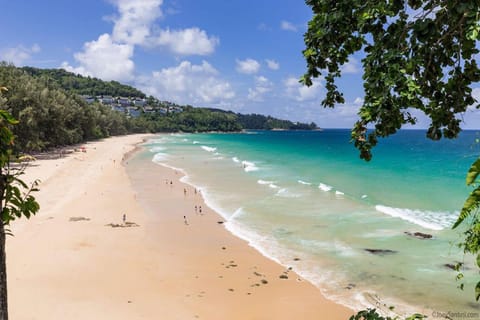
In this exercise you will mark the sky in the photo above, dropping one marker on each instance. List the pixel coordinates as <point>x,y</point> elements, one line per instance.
<point>239,55</point>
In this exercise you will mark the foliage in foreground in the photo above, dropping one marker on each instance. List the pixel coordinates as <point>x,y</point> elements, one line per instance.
<point>16,199</point>
<point>418,55</point>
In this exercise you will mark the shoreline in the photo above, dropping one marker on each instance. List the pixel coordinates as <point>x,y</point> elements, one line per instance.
<point>87,268</point>
<point>259,277</point>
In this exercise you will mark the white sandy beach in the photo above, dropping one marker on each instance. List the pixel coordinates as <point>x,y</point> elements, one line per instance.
<point>160,269</point>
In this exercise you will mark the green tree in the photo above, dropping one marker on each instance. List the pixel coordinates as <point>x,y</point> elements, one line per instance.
<point>13,202</point>
<point>417,55</point>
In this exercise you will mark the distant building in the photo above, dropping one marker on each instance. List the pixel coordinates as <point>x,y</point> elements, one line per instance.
<point>139,102</point>
<point>124,101</point>
<point>175,109</point>
<point>106,100</point>
<point>148,109</point>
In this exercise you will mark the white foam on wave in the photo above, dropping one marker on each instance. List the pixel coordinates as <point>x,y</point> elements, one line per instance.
<point>196,142</point>
<point>249,166</point>
<point>239,212</point>
<point>339,193</point>
<point>236,160</point>
<point>273,186</point>
<point>304,182</point>
<point>160,157</point>
<point>264,181</point>
<point>325,187</point>
<point>156,149</point>
<point>285,193</point>
<point>209,149</point>
<point>426,219</point>
<point>364,196</point>
<point>156,141</point>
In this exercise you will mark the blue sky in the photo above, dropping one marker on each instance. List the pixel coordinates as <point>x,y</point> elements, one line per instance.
<point>240,55</point>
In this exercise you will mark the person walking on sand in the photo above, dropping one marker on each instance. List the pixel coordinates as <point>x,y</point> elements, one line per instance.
<point>185,220</point>
<point>184,192</point>
<point>124,218</point>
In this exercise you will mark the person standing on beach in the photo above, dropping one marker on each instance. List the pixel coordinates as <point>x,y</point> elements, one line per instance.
<point>124,218</point>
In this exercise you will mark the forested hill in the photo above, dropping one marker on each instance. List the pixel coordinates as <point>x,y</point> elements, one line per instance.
<point>255,121</point>
<point>84,85</point>
<point>52,113</point>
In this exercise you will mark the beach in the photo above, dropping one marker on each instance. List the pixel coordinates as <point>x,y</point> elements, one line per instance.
<point>78,258</point>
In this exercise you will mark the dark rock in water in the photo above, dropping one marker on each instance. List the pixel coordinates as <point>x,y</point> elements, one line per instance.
<point>283,276</point>
<point>296,259</point>
<point>419,235</point>
<point>449,266</point>
<point>380,252</point>
<point>453,266</point>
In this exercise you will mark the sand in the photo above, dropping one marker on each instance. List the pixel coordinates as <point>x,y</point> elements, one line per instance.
<point>69,262</point>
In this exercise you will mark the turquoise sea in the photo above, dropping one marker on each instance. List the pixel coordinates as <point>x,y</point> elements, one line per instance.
<point>306,200</point>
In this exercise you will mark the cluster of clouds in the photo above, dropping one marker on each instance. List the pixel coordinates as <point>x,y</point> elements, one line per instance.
<point>136,25</point>
<point>19,54</point>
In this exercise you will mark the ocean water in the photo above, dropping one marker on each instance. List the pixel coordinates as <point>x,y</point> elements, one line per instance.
<point>306,200</point>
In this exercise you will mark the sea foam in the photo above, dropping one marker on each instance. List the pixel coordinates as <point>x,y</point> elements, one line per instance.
<point>156,149</point>
<point>160,157</point>
<point>325,187</point>
<point>264,181</point>
<point>304,182</point>
<point>249,166</point>
<point>426,219</point>
<point>209,149</point>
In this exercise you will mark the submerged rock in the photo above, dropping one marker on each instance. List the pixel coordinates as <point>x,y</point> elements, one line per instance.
<point>380,252</point>
<point>419,235</point>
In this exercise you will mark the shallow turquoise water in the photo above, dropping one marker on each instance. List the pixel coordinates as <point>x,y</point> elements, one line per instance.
<point>306,200</point>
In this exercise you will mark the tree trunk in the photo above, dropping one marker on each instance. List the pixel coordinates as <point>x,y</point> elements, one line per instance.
<point>3,256</point>
<point>3,275</point>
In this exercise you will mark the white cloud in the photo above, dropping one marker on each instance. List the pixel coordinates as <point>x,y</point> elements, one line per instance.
<point>18,55</point>
<point>272,64</point>
<point>104,59</point>
<point>352,66</point>
<point>133,26</point>
<point>248,66</point>
<point>262,86</point>
<point>476,94</point>
<point>301,93</point>
<point>187,41</point>
<point>358,101</point>
<point>288,26</point>
<point>188,83</point>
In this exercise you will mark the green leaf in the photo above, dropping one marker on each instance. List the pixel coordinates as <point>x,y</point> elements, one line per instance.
<point>471,204</point>
<point>477,291</point>
<point>473,172</point>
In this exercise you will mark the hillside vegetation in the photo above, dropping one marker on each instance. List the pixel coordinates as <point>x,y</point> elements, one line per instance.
<point>52,113</point>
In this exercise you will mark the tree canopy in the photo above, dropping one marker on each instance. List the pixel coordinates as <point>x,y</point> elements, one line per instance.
<point>416,55</point>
